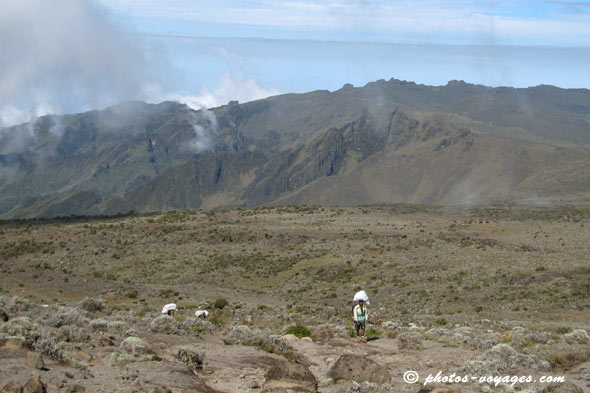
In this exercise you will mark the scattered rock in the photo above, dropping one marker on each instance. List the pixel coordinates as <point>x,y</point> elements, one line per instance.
<point>289,337</point>
<point>68,374</point>
<point>35,360</point>
<point>34,385</point>
<point>410,340</point>
<point>358,368</point>
<point>12,387</point>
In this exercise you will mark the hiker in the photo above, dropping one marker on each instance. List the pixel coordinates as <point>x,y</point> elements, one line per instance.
<point>360,314</point>
<point>169,309</point>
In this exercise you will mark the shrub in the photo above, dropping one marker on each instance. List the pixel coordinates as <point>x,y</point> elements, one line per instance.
<point>64,316</point>
<point>440,321</point>
<point>164,324</point>
<point>299,331</point>
<point>99,325</point>
<point>220,303</point>
<point>92,305</point>
<point>23,327</point>
<point>135,346</point>
<point>50,346</point>
<point>410,340</point>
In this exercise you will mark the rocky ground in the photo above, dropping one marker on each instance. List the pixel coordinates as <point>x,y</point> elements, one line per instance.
<point>500,291</point>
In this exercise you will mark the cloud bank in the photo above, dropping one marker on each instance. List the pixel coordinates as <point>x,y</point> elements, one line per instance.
<point>64,57</point>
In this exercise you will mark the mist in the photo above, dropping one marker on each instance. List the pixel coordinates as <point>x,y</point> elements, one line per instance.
<point>66,57</point>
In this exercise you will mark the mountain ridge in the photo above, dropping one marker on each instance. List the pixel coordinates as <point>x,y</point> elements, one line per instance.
<point>388,141</point>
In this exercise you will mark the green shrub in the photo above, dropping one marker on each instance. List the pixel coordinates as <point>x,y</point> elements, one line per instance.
<point>371,332</point>
<point>220,303</point>
<point>299,331</point>
<point>132,294</point>
<point>440,321</point>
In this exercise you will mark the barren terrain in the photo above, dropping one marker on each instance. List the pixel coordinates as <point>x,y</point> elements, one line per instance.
<point>491,291</point>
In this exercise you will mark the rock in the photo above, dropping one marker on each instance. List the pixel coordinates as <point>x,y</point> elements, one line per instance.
<point>358,368</point>
<point>14,343</point>
<point>3,315</point>
<point>75,389</point>
<point>12,387</point>
<point>135,346</point>
<point>35,360</point>
<point>306,339</point>
<point>106,342</point>
<point>34,385</point>
<point>191,358</point>
<point>289,337</point>
<point>410,340</point>
<point>161,389</point>
<point>284,376</point>
<point>68,374</point>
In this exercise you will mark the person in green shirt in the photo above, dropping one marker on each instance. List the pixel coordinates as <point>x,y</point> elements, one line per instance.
<point>360,315</point>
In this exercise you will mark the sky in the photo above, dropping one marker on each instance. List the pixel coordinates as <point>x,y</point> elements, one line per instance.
<point>88,54</point>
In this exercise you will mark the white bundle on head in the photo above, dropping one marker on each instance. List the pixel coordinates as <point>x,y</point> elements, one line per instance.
<point>361,295</point>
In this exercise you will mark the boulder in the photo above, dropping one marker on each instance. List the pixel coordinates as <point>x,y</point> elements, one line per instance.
<point>191,358</point>
<point>35,360</point>
<point>359,368</point>
<point>12,387</point>
<point>34,385</point>
<point>284,376</point>
<point>75,389</point>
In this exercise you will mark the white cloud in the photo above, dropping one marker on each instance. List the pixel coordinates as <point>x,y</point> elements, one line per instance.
<point>62,57</point>
<point>230,88</point>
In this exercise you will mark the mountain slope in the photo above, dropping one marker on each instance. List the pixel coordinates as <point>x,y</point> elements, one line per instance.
<point>389,141</point>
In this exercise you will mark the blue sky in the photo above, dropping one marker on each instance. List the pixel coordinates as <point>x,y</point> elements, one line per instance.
<point>88,54</point>
<point>295,46</point>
